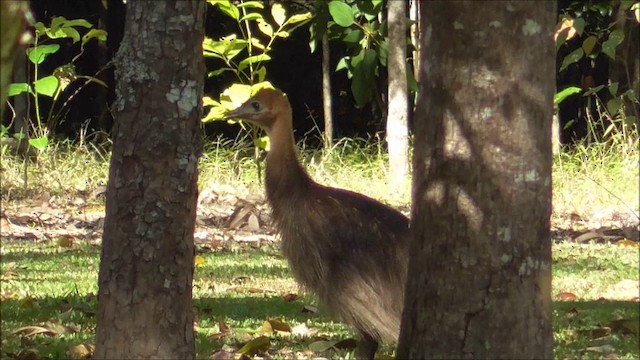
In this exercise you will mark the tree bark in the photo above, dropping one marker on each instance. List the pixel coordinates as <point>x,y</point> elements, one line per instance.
<point>146,269</point>
<point>12,18</point>
<point>479,283</point>
<point>326,92</point>
<point>398,109</point>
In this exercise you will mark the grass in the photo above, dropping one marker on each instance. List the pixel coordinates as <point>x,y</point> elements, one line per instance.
<point>54,285</point>
<point>44,282</point>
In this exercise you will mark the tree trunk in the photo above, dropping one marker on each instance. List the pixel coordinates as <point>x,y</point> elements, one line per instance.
<point>414,16</point>
<point>12,18</point>
<point>398,108</point>
<point>326,92</point>
<point>479,283</point>
<point>146,269</point>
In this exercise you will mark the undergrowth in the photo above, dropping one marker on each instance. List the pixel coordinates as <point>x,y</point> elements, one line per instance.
<point>589,179</point>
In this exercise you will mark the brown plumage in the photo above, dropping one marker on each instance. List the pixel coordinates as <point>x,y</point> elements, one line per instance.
<point>348,249</point>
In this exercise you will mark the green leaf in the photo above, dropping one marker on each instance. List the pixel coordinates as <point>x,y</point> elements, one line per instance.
<point>251,4</point>
<point>561,95</point>
<point>262,73</point>
<point>208,101</point>
<point>341,13</point>
<point>282,34</point>
<point>252,60</point>
<point>630,94</point>
<point>573,57</point>
<point>47,85</point>
<point>39,143</point>
<point>383,51</point>
<point>609,46</point>
<point>18,88</point>
<point>235,95</point>
<point>589,43</point>
<point>342,64</point>
<point>578,25</point>
<point>353,36</point>
<point>37,54</point>
<point>613,106</point>
<point>299,18</point>
<point>593,90</point>
<point>264,27</point>
<point>98,34</point>
<point>412,84</point>
<point>56,23</point>
<point>251,17</point>
<point>263,143</point>
<point>278,13</point>
<point>227,8</point>
<point>217,112</point>
<point>215,73</point>
<point>78,22</point>
<point>71,33</point>
<point>362,82</point>
<point>613,88</point>
<point>256,43</point>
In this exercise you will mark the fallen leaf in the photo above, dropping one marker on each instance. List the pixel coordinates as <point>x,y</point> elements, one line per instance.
<point>65,241</point>
<point>81,351</point>
<point>275,326</point>
<point>595,333</point>
<point>289,297</point>
<point>628,243</point>
<point>261,343</point>
<point>566,296</point>
<point>34,330</point>
<point>587,236</point>
<point>309,309</point>
<point>200,261</point>
<point>321,346</point>
<point>604,349</point>
<point>625,326</point>
<point>222,355</point>
<point>302,330</point>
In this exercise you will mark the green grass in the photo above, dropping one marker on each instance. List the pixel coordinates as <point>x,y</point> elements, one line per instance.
<point>243,288</point>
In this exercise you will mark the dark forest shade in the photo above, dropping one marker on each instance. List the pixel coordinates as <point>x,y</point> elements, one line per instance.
<point>350,250</point>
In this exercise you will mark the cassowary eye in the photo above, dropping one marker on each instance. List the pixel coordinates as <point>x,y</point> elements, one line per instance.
<point>255,105</point>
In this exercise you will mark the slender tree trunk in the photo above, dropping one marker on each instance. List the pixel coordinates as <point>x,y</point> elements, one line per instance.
<point>414,15</point>
<point>146,269</point>
<point>326,92</point>
<point>479,283</point>
<point>398,108</point>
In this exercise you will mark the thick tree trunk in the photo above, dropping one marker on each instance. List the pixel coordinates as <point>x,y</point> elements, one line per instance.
<point>146,269</point>
<point>479,283</point>
<point>398,109</point>
<point>326,92</point>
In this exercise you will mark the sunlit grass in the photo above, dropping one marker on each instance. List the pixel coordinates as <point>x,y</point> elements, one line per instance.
<point>43,282</point>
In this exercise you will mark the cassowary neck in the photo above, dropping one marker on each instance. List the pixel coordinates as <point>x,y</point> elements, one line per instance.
<point>286,179</point>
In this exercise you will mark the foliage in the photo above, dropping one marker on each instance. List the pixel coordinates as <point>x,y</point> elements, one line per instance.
<point>52,85</point>
<point>591,24</point>
<point>244,54</point>
<point>357,25</point>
